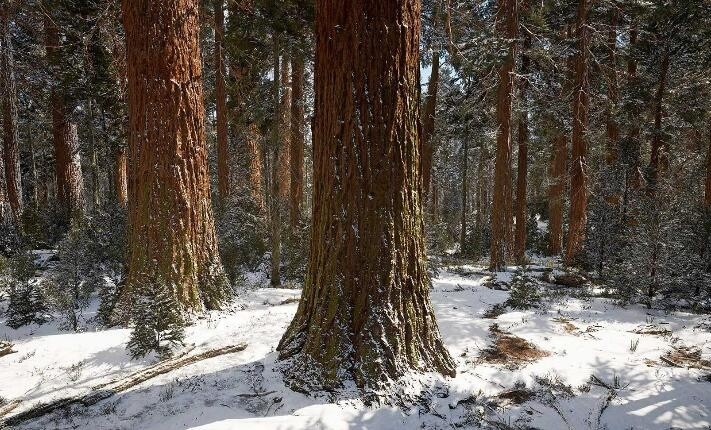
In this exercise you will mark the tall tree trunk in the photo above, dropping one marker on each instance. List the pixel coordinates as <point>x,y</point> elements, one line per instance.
<point>501,214</point>
<point>612,127</point>
<point>633,146</point>
<point>171,236</point>
<point>465,192</point>
<point>223,164</point>
<point>522,174</point>
<point>276,182</point>
<point>283,163</point>
<point>11,153</point>
<point>254,165</point>
<point>707,193</point>
<point>121,176</point>
<point>557,188</point>
<point>428,124</point>
<point>67,161</point>
<point>365,312</point>
<point>578,175</point>
<point>659,161</point>
<point>95,186</point>
<point>296,155</point>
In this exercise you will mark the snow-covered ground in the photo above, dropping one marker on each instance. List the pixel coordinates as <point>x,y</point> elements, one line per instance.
<point>598,373</point>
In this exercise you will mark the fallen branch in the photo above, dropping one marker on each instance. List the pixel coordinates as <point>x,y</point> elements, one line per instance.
<point>106,390</point>
<point>6,348</point>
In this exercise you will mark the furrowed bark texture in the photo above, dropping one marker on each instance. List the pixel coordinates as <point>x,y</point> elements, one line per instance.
<point>67,160</point>
<point>171,228</point>
<point>555,193</point>
<point>283,163</point>
<point>501,214</point>
<point>223,165</point>
<point>11,153</point>
<point>296,141</point>
<point>365,312</point>
<point>522,167</point>
<point>254,164</point>
<point>121,176</point>
<point>578,169</point>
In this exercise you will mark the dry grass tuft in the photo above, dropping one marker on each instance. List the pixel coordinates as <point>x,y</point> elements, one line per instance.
<point>509,350</point>
<point>685,356</point>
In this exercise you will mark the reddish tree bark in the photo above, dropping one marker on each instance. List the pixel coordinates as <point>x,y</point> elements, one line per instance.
<point>121,177</point>
<point>67,161</point>
<point>171,236</point>
<point>11,153</point>
<point>254,165</point>
<point>296,141</point>
<point>522,175</point>
<point>365,312</point>
<point>283,163</point>
<point>501,214</point>
<point>277,182</point>
<point>578,175</point>
<point>223,165</point>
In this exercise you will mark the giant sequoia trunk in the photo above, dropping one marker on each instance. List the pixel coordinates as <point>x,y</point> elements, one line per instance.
<point>522,168</point>
<point>67,161</point>
<point>276,188</point>
<point>365,312</point>
<point>578,169</point>
<point>171,234</point>
<point>11,153</point>
<point>296,141</point>
<point>223,165</point>
<point>501,214</point>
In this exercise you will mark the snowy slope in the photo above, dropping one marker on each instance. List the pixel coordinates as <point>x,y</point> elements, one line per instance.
<point>244,390</point>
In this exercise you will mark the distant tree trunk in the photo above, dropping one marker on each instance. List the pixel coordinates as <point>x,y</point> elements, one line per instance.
<point>284,164</point>
<point>557,188</point>
<point>465,192</point>
<point>297,141</point>
<point>428,124</point>
<point>707,194</point>
<point>121,176</point>
<point>223,164</point>
<point>612,127</point>
<point>276,182</point>
<point>67,161</point>
<point>11,153</point>
<point>522,175</point>
<point>501,214</point>
<point>171,236</point>
<point>5,212</point>
<point>95,186</point>
<point>365,312</point>
<point>578,175</point>
<point>659,161</point>
<point>254,165</point>
<point>633,146</point>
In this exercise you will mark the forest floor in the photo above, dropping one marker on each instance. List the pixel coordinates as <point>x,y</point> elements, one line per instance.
<point>574,361</point>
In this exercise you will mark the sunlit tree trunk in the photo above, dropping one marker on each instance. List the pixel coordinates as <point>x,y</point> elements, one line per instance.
<point>276,173</point>
<point>296,141</point>
<point>365,312</point>
<point>171,236</point>
<point>465,192</point>
<point>578,169</point>
<point>428,124</point>
<point>121,176</point>
<point>501,214</point>
<point>223,162</point>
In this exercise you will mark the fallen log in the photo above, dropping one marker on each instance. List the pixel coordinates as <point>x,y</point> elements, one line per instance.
<point>108,389</point>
